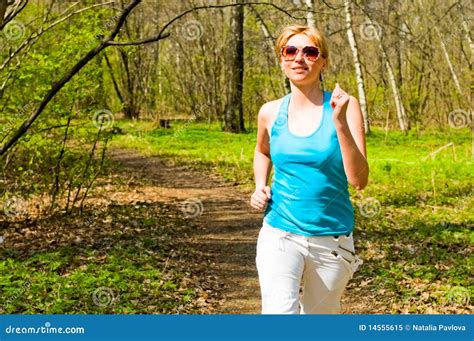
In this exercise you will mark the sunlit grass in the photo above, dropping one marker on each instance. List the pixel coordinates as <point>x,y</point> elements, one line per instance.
<point>421,230</point>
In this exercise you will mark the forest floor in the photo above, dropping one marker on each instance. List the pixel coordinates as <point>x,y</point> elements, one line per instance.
<point>222,229</point>
<point>167,235</point>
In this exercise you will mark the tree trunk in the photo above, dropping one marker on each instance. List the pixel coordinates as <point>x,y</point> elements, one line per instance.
<point>448,61</point>
<point>234,116</point>
<point>401,114</point>
<point>309,13</point>
<point>446,56</point>
<point>357,66</point>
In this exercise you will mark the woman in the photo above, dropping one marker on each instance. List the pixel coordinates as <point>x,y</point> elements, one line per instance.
<point>315,140</point>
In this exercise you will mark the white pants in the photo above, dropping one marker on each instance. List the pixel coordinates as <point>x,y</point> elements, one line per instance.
<point>326,264</point>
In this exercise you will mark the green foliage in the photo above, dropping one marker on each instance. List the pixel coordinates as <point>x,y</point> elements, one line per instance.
<point>419,235</point>
<point>116,271</point>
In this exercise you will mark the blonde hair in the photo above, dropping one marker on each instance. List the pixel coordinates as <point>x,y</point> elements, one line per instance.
<point>316,36</point>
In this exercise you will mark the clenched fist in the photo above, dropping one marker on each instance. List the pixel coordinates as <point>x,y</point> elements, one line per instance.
<point>339,101</point>
<point>259,198</point>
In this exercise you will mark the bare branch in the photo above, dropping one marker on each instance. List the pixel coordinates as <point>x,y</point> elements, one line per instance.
<point>161,34</point>
<point>33,37</point>
<point>8,16</point>
<point>67,77</point>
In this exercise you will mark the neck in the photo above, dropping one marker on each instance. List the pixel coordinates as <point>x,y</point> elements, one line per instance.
<point>306,94</point>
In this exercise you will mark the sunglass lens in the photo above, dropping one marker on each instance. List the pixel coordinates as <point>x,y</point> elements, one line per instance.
<point>290,52</point>
<point>311,52</point>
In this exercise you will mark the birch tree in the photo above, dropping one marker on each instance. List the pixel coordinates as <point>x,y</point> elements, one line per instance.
<point>358,69</point>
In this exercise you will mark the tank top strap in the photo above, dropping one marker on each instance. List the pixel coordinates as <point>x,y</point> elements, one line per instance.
<point>283,110</point>
<point>281,120</point>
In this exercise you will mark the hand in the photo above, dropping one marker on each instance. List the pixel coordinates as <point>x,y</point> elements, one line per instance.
<point>339,102</point>
<point>259,198</point>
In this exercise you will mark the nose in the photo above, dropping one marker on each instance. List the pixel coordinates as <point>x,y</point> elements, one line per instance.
<point>299,55</point>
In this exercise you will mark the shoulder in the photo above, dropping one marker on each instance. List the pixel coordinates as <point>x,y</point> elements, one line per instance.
<point>268,113</point>
<point>268,109</point>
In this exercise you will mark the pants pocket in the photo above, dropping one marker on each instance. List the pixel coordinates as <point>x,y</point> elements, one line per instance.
<point>345,252</point>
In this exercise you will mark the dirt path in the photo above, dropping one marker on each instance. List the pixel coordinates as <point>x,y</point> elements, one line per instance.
<point>222,227</point>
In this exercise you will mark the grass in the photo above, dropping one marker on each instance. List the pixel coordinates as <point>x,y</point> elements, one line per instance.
<point>414,230</point>
<point>95,264</point>
<point>414,221</point>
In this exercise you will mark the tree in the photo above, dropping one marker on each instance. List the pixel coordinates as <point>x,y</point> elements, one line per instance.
<point>234,117</point>
<point>357,66</point>
<point>9,9</point>
<point>401,113</point>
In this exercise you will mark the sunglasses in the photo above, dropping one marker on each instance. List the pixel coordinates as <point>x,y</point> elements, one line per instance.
<point>290,52</point>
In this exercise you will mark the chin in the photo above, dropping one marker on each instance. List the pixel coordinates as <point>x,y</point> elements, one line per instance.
<point>301,80</point>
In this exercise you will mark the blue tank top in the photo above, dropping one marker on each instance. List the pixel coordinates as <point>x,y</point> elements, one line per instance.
<point>309,186</point>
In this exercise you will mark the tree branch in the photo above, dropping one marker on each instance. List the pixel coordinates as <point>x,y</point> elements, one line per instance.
<point>109,41</point>
<point>161,34</point>
<point>6,17</point>
<point>67,77</point>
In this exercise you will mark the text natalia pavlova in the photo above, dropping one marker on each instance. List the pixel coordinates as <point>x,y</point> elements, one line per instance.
<point>437,327</point>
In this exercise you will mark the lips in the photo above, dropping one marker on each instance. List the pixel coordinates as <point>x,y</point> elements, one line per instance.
<point>299,68</point>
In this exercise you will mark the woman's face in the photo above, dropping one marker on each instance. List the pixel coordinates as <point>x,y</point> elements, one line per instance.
<point>300,70</point>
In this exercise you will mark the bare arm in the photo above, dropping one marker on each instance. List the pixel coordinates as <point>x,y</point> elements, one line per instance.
<point>351,136</point>
<point>262,163</point>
